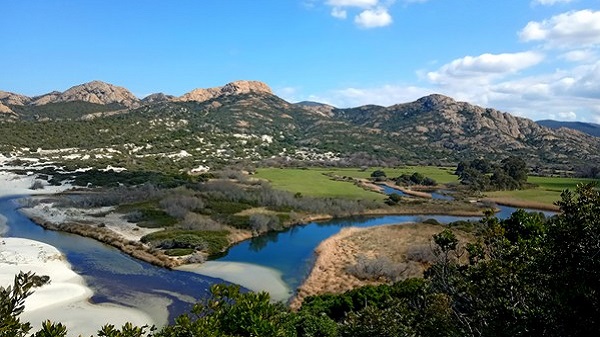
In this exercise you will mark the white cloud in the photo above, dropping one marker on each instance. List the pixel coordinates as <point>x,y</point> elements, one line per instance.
<point>550,2</point>
<point>384,95</point>
<point>565,116</point>
<point>585,55</point>
<point>339,13</point>
<point>373,13</point>
<point>353,3</point>
<point>484,67</point>
<point>373,18</point>
<point>571,29</point>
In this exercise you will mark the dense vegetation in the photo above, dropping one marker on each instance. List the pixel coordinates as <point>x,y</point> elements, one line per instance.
<point>264,128</point>
<point>481,175</point>
<point>526,276</point>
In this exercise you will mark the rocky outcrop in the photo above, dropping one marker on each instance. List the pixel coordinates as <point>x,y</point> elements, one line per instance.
<point>158,98</point>
<point>99,93</point>
<point>46,98</point>
<point>324,110</point>
<point>6,111</point>
<point>233,88</point>
<point>9,98</point>
<point>449,125</point>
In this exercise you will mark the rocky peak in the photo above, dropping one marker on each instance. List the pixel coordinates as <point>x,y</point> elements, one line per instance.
<point>9,98</point>
<point>157,98</point>
<point>100,93</point>
<point>322,109</point>
<point>244,87</point>
<point>4,110</point>
<point>233,88</point>
<point>46,98</point>
<point>435,101</point>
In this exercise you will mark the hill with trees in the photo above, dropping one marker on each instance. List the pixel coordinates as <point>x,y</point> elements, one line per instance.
<point>244,121</point>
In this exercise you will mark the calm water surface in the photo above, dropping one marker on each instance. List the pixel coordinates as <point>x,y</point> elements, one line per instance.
<point>115,277</point>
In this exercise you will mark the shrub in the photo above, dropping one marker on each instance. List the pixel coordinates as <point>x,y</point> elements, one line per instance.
<point>37,185</point>
<point>377,268</point>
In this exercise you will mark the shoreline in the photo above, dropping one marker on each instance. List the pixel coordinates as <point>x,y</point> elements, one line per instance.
<point>319,279</point>
<point>250,276</point>
<point>67,298</point>
<point>407,245</point>
<point>523,204</point>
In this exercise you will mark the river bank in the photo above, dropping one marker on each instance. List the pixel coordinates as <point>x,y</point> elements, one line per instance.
<point>66,298</point>
<point>407,246</point>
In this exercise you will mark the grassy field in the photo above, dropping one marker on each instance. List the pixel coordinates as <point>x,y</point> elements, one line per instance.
<point>312,182</point>
<point>547,192</point>
<point>442,175</point>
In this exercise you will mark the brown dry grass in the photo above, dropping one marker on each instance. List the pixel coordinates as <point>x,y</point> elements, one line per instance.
<point>513,202</point>
<point>340,251</point>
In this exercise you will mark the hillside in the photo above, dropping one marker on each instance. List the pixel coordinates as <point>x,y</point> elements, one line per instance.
<point>101,124</point>
<point>589,128</point>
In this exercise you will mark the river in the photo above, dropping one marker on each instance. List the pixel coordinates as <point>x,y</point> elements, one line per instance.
<point>117,278</point>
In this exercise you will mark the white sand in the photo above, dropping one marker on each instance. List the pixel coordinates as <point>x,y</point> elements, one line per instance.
<point>13,184</point>
<point>66,298</point>
<point>250,276</point>
<point>113,221</point>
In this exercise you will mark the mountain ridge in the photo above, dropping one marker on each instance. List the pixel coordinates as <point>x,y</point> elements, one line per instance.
<point>589,128</point>
<point>244,119</point>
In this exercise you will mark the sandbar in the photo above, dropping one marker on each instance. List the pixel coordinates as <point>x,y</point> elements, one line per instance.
<point>250,276</point>
<point>66,298</point>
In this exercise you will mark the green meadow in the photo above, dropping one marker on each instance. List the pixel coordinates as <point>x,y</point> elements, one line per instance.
<point>315,182</point>
<point>312,182</point>
<point>548,190</point>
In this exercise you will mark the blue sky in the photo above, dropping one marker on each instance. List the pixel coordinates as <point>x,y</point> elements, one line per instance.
<point>535,58</point>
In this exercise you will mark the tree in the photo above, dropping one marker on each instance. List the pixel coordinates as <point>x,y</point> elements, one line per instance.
<point>378,174</point>
<point>571,262</point>
<point>12,303</point>
<point>516,168</point>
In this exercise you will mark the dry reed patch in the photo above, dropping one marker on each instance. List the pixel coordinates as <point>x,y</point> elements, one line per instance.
<point>513,202</point>
<point>406,244</point>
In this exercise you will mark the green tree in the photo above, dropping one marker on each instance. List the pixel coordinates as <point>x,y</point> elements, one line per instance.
<point>12,303</point>
<point>516,168</point>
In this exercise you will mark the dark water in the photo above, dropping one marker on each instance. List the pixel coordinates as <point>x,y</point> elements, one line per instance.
<point>116,277</point>
<point>390,190</point>
<point>291,252</point>
<point>435,195</point>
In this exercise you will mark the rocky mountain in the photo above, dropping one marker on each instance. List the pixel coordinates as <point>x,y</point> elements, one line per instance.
<point>243,120</point>
<point>233,88</point>
<point>9,98</point>
<point>316,107</point>
<point>96,92</point>
<point>158,98</point>
<point>445,124</point>
<point>589,128</point>
<point>6,111</point>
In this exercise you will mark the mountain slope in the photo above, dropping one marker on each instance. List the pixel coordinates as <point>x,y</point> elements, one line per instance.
<point>589,128</point>
<point>244,121</point>
<point>438,122</point>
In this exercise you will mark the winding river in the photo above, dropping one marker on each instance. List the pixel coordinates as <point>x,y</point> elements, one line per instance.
<point>118,278</point>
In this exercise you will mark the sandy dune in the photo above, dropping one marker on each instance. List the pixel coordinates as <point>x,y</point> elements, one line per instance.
<point>66,298</point>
